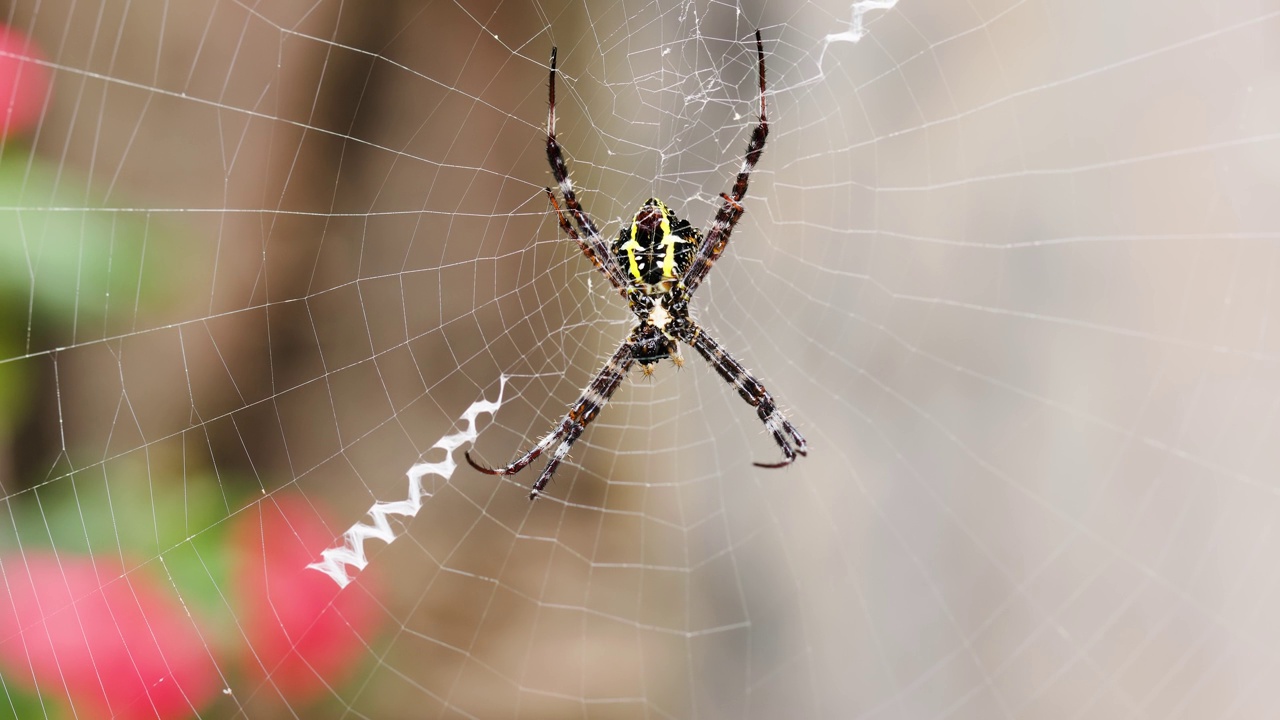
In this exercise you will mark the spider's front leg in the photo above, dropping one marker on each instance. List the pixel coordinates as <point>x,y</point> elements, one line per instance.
<point>752,390</point>
<point>591,243</point>
<point>580,415</point>
<point>717,238</point>
<point>555,157</point>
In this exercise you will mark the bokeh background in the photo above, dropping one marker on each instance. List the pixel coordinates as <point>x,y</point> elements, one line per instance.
<point>1013,266</point>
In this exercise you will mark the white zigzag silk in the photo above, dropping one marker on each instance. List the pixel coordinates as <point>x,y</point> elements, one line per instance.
<point>351,552</point>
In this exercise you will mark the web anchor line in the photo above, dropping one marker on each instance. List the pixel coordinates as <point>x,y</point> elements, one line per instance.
<point>351,551</point>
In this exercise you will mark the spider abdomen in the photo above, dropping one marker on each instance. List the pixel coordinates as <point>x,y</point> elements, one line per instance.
<point>655,248</point>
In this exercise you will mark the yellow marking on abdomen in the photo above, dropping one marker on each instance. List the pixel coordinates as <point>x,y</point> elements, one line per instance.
<point>631,246</point>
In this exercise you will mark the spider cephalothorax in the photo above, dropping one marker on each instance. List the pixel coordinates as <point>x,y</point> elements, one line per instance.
<point>657,263</point>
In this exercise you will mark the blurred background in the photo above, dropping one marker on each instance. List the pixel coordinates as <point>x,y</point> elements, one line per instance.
<point>1012,266</point>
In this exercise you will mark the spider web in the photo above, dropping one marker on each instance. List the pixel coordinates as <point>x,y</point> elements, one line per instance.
<point>1010,266</point>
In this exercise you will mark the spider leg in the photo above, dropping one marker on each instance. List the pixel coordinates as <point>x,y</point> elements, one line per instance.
<point>580,415</point>
<point>592,244</point>
<point>605,266</point>
<point>751,390</point>
<point>731,210</point>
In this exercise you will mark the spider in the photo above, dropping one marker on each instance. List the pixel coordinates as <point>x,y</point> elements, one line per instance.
<point>656,263</point>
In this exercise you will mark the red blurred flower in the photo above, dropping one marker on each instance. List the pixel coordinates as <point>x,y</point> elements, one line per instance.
<point>115,645</point>
<point>304,634</point>
<point>24,82</point>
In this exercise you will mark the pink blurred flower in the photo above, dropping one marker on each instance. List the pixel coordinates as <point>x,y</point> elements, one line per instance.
<point>304,635</point>
<point>115,645</point>
<point>24,83</point>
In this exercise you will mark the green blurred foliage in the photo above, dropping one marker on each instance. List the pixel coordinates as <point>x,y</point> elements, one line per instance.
<point>70,270</point>
<point>63,257</point>
<point>20,704</point>
<point>122,510</point>
<point>15,388</point>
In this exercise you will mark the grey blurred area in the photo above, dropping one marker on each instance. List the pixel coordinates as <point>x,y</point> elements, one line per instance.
<point>1013,267</point>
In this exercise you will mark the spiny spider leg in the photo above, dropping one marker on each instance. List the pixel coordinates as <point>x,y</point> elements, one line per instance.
<point>717,238</point>
<point>606,266</point>
<point>580,415</point>
<point>751,390</point>
<point>555,156</point>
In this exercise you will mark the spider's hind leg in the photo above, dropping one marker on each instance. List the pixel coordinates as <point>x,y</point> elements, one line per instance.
<point>588,406</point>
<point>789,439</point>
<point>521,462</point>
<point>567,432</point>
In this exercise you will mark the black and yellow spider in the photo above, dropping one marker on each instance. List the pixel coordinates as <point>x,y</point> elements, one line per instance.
<point>657,264</point>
